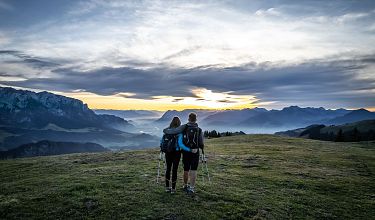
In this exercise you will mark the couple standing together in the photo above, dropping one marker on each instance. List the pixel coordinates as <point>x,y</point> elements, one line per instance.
<point>186,140</point>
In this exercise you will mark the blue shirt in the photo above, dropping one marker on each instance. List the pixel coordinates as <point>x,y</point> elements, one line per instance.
<point>180,144</point>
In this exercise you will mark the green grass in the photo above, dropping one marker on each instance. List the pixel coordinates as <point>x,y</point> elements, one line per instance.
<point>253,176</point>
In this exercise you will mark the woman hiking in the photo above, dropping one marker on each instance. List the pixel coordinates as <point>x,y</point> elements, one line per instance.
<point>173,157</point>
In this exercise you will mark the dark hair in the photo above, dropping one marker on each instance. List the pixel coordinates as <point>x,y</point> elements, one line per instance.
<point>175,122</point>
<point>192,117</point>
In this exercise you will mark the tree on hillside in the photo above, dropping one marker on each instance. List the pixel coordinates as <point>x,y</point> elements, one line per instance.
<point>331,136</point>
<point>356,135</point>
<point>211,134</point>
<point>371,135</point>
<point>206,134</point>
<point>216,134</point>
<point>339,136</point>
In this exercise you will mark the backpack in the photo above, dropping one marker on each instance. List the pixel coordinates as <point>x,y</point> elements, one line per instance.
<point>191,136</point>
<point>168,143</point>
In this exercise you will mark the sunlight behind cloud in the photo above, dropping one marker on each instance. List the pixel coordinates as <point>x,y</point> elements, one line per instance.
<point>207,99</point>
<point>204,99</point>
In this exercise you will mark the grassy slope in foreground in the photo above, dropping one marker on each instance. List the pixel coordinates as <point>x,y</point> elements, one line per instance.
<point>261,176</point>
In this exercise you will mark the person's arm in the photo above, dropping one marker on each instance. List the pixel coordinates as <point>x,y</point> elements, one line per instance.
<point>181,144</point>
<point>161,141</point>
<point>177,130</point>
<point>201,139</point>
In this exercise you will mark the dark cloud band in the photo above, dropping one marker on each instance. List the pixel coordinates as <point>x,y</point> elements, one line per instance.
<point>318,81</point>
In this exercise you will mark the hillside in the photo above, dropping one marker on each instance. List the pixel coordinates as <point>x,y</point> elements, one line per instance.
<point>46,148</point>
<point>253,176</point>
<point>357,131</point>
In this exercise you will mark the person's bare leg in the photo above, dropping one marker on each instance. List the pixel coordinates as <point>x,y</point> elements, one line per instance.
<point>186,177</point>
<point>193,177</point>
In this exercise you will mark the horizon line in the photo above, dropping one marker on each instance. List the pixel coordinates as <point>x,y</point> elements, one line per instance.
<point>371,109</point>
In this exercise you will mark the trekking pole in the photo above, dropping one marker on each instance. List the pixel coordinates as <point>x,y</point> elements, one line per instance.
<point>205,162</point>
<point>202,169</point>
<point>164,162</point>
<point>208,174</point>
<point>157,178</point>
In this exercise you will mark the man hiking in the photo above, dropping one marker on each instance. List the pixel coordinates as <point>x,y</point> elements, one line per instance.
<point>193,139</point>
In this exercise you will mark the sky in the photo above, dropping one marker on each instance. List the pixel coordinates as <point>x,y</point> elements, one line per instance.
<point>192,54</point>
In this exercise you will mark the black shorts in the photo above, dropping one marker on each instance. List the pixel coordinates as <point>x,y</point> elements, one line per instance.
<point>190,160</point>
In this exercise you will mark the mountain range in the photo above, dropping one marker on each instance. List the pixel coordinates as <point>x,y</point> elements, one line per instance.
<point>27,117</point>
<point>26,109</point>
<point>353,116</point>
<point>261,120</point>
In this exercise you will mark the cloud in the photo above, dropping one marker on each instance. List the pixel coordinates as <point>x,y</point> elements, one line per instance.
<point>126,94</point>
<point>187,34</point>
<point>278,52</point>
<point>14,56</point>
<point>182,53</point>
<point>329,82</point>
<point>268,12</point>
<point>18,66</point>
<point>352,17</point>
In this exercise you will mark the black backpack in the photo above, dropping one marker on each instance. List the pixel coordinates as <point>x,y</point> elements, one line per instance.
<point>191,136</point>
<point>168,143</point>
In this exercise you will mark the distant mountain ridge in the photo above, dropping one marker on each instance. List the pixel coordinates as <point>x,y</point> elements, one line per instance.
<point>183,115</point>
<point>293,116</point>
<point>26,117</point>
<point>353,116</point>
<point>130,114</point>
<point>269,121</point>
<point>232,117</point>
<point>27,109</point>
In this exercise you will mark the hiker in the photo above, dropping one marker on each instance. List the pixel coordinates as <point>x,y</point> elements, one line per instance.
<point>173,155</point>
<point>193,139</point>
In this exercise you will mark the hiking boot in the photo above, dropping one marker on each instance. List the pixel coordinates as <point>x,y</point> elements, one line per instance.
<point>191,191</point>
<point>173,191</point>
<point>167,189</point>
<point>185,188</point>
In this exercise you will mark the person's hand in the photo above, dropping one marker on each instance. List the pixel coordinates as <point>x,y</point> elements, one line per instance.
<point>194,151</point>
